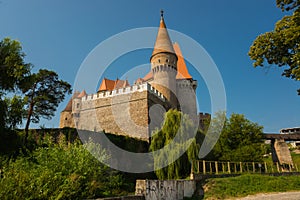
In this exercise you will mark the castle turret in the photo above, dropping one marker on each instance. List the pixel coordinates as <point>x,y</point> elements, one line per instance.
<point>164,64</point>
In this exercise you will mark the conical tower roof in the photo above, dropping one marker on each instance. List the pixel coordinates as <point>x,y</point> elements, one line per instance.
<point>163,42</point>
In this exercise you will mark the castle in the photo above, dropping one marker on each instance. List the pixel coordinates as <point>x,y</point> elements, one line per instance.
<point>135,110</point>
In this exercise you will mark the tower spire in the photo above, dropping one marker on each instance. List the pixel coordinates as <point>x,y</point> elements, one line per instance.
<point>163,42</point>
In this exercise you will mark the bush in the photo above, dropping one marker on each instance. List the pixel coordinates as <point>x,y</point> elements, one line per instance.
<point>59,171</point>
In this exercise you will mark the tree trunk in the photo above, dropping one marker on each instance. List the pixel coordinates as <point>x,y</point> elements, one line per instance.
<point>30,111</point>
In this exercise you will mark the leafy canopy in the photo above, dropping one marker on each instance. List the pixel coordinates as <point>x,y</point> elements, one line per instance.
<point>281,46</point>
<point>240,140</point>
<point>12,66</point>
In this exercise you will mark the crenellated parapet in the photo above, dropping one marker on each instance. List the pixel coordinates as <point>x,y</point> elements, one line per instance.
<point>126,90</point>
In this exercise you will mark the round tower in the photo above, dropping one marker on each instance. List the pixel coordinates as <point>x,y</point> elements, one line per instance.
<point>164,64</point>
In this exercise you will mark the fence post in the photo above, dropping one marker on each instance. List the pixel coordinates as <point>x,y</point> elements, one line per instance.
<point>277,165</point>
<point>223,168</point>
<point>204,169</point>
<point>210,170</point>
<point>253,165</point>
<point>228,164</point>
<point>241,167</point>
<point>198,165</point>
<point>192,170</point>
<point>216,166</point>
<point>235,168</point>
<point>266,168</point>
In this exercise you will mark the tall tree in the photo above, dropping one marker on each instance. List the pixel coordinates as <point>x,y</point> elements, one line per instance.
<point>13,70</point>
<point>281,46</point>
<point>180,126</point>
<point>240,140</point>
<point>44,91</point>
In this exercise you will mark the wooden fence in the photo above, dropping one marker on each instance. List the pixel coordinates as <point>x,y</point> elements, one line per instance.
<point>216,167</point>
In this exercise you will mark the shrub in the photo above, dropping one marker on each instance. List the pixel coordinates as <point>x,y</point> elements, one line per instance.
<point>59,171</point>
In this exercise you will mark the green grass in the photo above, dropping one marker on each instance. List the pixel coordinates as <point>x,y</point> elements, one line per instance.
<point>296,160</point>
<point>222,188</point>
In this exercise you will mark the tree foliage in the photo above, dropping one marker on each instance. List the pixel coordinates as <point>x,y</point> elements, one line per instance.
<point>180,126</point>
<point>60,171</point>
<point>281,46</point>
<point>44,91</point>
<point>15,111</point>
<point>240,140</point>
<point>13,69</point>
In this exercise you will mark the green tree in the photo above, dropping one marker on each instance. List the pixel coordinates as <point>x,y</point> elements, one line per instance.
<point>13,70</point>
<point>180,126</point>
<point>44,91</point>
<point>281,46</point>
<point>240,140</point>
<point>15,111</point>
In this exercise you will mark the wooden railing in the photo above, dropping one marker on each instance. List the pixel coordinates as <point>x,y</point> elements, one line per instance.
<point>218,167</point>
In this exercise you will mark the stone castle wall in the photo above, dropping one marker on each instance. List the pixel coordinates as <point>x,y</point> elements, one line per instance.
<point>66,120</point>
<point>187,98</point>
<point>122,112</point>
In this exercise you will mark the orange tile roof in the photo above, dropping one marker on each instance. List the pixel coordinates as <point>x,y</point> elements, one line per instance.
<point>163,42</point>
<point>82,94</point>
<point>106,85</point>
<point>182,71</point>
<point>109,85</point>
<point>121,84</point>
<point>139,80</point>
<point>148,76</point>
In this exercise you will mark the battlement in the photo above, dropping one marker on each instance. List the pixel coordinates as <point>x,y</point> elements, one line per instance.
<point>126,90</point>
<point>204,115</point>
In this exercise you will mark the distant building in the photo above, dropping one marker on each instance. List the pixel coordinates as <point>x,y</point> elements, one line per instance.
<point>290,130</point>
<point>120,108</point>
<point>295,130</point>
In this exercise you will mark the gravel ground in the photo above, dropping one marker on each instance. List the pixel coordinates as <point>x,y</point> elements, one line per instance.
<point>274,196</point>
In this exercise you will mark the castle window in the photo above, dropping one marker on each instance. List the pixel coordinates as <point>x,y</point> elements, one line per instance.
<point>66,118</point>
<point>159,60</point>
<point>77,105</point>
<point>167,60</point>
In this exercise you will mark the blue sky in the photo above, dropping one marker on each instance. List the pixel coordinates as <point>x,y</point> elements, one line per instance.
<point>59,34</point>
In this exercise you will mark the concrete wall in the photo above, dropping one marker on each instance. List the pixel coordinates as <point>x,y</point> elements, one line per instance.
<point>165,189</point>
<point>283,153</point>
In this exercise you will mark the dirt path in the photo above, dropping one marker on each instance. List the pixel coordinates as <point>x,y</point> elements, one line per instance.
<point>274,196</point>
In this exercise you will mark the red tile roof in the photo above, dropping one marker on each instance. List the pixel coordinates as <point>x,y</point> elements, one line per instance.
<point>182,71</point>
<point>82,94</point>
<point>109,85</point>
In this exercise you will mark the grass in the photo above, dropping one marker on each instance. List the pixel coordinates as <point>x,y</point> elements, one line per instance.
<point>222,188</point>
<point>296,160</point>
